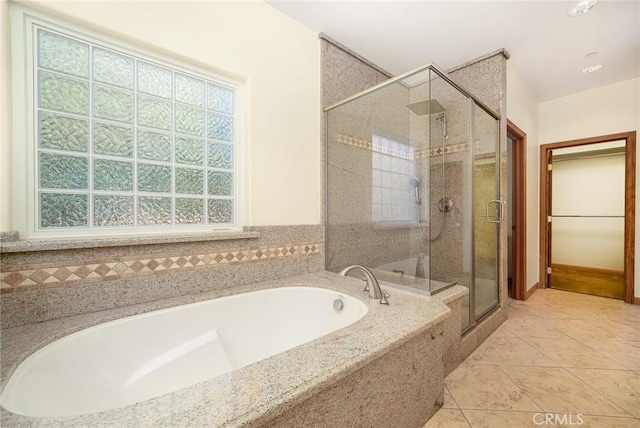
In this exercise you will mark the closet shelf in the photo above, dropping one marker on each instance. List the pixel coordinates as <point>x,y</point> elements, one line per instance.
<point>587,216</point>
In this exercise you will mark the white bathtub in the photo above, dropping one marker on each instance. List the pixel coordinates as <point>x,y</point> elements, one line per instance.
<point>134,359</point>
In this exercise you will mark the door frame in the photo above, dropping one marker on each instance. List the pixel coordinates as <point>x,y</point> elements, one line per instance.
<point>519,213</point>
<point>629,205</point>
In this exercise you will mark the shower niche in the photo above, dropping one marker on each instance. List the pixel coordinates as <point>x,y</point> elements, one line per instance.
<point>413,188</point>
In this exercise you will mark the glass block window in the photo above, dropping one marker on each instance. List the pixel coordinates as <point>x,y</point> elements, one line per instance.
<point>393,199</point>
<point>124,141</point>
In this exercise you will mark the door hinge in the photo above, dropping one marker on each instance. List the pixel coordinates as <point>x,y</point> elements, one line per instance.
<point>548,271</point>
<point>549,219</point>
<point>549,167</point>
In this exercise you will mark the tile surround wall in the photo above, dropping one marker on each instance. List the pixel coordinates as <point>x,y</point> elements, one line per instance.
<point>44,285</point>
<point>345,73</point>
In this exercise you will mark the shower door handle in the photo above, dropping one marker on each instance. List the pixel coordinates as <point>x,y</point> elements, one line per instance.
<point>500,214</point>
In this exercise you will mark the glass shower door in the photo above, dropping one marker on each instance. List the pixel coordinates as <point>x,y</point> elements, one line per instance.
<point>488,211</point>
<point>449,204</point>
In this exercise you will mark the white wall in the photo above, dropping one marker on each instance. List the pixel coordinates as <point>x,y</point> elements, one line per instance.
<point>277,58</point>
<point>590,188</point>
<point>5,120</point>
<point>601,111</point>
<point>522,110</point>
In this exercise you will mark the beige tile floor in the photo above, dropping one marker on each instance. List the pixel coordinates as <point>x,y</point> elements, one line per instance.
<point>562,359</point>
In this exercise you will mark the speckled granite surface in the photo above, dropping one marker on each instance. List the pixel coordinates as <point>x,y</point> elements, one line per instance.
<point>40,286</point>
<point>263,390</point>
<point>19,246</point>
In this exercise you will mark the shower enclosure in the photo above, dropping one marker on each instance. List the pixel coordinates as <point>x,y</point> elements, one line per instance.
<point>413,188</point>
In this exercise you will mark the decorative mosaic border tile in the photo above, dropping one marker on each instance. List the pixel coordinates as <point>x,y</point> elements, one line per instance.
<point>350,140</point>
<point>18,278</point>
<point>437,151</point>
<point>418,154</point>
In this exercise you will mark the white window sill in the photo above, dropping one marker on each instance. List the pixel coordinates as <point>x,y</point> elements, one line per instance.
<point>26,245</point>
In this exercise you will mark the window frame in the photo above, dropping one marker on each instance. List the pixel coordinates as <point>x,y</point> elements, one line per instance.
<point>24,24</point>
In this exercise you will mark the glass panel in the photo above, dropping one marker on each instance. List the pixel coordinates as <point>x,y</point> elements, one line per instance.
<point>63,133</point>
<point>62,94</point>
<point>63,54</point>
<point>112,175</point>
<point>189,120</point>
<point>371,207</point>
<point>220,183</point>
<point>154,80</point>
<point>113,210</point>
<point>189,151</point>
<point>189,211</point>
<point>153,210</point>
<point>63,210</point>
<point>406,197</point>
<point>485,190</point>
<point>189,180</point>
<point>154,146</point>
<point>444,165</point>
<point>220,211</point>
<point>154,178</point>
<point>112,68</point>
<point>220,155</point>
<point>112,140</point>
<point>220,127</point>
<point>112,104</point>
<point>220,99</point>
<point>63,172</point>
<point>154,113</point>
<point>189,90</point>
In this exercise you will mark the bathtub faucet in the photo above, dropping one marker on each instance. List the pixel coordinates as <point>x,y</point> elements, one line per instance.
<point>372,283</point>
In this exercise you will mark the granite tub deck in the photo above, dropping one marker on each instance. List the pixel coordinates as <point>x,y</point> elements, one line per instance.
<point>372,370</point>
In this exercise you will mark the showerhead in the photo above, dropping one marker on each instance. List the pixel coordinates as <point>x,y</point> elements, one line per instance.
<point>415,183</point>
<point>422,108</point>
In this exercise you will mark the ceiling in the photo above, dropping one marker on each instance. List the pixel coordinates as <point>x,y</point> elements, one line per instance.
<point>546,45</point>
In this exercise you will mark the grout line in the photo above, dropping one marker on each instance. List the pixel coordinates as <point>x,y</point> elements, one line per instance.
<point>451,395</point>
<point>535,349</point>
<point>606,397</point>
<point>466,418</point>
<point>601,353</point>
<point>520,389</point>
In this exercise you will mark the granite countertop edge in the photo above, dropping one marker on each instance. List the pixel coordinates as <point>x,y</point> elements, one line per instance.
<point>29,245</point>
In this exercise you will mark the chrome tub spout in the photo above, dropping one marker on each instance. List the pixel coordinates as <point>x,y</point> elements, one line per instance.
<point>372,286</point>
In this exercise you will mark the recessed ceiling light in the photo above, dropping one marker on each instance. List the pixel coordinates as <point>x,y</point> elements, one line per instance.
<point>591,55</point>
<point>592,68</point>
<point>583,7</point>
